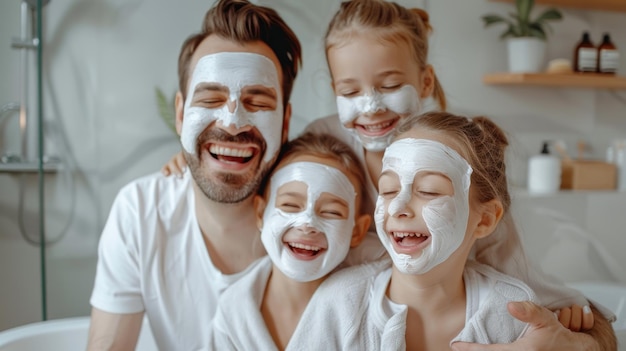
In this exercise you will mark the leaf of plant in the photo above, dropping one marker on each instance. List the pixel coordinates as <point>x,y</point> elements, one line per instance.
<point>549,15</point>
<point>523,9</point>
<point>492,19</point>
<point>521,29</point>
<point>508,33</point>
<point>166,110</point>
<point>537,31</point>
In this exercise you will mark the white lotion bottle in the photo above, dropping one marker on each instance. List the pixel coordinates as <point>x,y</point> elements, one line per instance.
<point>544,172</point>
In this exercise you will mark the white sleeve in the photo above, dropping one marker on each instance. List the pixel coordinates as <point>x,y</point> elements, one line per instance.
<point>117,286</point>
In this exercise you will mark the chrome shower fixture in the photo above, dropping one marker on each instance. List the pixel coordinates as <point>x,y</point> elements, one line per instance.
<point>33,3</point>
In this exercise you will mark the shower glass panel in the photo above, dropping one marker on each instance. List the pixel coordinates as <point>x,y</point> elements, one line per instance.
<point>49,218</point>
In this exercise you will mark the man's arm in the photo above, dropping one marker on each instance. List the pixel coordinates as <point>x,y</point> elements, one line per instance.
<point>110,331</point>
<point>547,333</point>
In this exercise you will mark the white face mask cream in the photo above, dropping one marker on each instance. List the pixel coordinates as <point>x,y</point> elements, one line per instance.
<point>403,102</point>
<point>319,179</point>
<point>234,71</point>
<point>446,217</point>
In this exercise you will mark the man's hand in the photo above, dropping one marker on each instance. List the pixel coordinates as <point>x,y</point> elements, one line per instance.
<point>545,332</point>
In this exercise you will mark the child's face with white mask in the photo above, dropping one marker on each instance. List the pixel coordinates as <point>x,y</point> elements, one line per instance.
<point>423,213</point>
<point>376,83</point>
<point>310,217</point>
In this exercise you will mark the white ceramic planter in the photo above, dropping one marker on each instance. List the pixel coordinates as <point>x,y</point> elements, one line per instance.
<point>526,55</point>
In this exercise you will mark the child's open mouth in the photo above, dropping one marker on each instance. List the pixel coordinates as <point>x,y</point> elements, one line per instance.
<point>409,239</point>
<point>378,129</point>
<point>303,251</point>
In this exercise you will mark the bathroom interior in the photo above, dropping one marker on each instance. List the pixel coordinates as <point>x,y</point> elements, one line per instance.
<point>87,87</point>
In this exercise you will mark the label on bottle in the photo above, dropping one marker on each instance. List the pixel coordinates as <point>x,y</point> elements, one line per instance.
<point>587,59</point>
<point>609,61</point>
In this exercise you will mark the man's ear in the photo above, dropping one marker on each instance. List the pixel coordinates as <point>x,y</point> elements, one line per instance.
<point>286,121</point>
<point>490,214</point>
<point>179,103</point>
<point>259,208</point>
<point>428,82</point>
<point>360,229</point>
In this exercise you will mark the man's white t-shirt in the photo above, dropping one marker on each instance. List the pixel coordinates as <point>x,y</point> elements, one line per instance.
<point>152,258</point>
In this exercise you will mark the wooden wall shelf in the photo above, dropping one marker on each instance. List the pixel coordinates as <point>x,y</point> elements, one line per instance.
<point>571,80</point>
<point>604,5</point>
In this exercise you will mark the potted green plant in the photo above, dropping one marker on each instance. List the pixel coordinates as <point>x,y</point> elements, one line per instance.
<point>167,109</point>
<point>526,37</point>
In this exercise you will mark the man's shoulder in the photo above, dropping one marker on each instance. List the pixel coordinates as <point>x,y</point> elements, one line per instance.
<point>157,185</point>
<point>247,292</point>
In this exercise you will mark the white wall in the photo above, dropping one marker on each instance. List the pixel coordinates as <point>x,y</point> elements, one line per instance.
<point>104,59</point>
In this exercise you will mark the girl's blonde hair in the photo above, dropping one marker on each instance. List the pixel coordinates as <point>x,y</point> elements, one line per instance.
<point>388,22</point>
<point>483,145</point>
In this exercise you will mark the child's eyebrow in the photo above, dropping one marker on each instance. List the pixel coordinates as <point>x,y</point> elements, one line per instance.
<point>389,73</point>
<point>292,194</point>
<point>423,174</point>
<point>338,201</point>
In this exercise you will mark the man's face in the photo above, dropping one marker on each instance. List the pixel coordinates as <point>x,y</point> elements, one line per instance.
<point>232,122</point>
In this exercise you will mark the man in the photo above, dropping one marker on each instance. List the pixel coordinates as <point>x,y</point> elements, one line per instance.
<point>170,245</point>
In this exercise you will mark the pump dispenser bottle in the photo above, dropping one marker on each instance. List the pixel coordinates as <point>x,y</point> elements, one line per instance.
<point>608,56</point>
<point>585,55</point>
<point>544,172</point>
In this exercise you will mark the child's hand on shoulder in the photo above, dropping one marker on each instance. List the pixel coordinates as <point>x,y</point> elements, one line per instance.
<point>175,166</point>
<point>576,318</point>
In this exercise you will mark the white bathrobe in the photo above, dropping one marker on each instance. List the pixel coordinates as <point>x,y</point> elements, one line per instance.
<point>487,320</point>
<point>331,321</point>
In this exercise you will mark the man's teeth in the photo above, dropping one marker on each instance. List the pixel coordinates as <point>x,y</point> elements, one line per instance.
<point>227,151</point>
<point>407,234</point>
<point>305,247</point>
<point>377,127</point>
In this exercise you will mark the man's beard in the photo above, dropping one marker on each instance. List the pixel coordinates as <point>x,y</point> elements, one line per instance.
<point>224,187</point>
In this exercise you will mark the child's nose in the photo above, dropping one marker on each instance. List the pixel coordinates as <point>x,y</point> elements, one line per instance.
<point>373,104</point>
<point>402,210</point>
<point>307,229</point>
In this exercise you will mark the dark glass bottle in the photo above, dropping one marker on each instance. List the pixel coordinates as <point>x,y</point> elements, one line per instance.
<point>585,55</point>
<point>608,56</point>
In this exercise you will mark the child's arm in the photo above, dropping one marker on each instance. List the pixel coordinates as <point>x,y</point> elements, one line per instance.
<point>175,166</point>
<point>576,318</point>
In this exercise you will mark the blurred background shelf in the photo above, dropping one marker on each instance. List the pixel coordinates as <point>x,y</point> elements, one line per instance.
<point>572,80</point>
<point>604,5</point>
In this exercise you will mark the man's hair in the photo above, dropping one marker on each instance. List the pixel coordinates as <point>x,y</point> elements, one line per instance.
<point>244,22</point>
